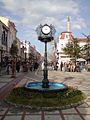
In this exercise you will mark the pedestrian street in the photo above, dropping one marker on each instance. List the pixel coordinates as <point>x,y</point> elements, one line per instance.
<point>76,79</point>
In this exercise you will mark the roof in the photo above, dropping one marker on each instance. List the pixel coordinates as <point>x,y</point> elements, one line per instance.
<point>63,35</point>
<point>83,39</point>
<point>66,32</point>
<point>4,25</point>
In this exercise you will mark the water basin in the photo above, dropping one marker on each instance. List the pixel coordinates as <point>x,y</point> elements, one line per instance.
<point>53,86</point>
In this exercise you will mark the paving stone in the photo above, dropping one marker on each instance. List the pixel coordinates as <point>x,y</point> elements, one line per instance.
<point>84,110</point>
<point>2,84</point>
<point>79,80</point>
<point>12,118</point>
<point>88,99</point>
<point>52,112</point>
<point>88,93</point>
<point>72,110</point>
<point>53,117</point>
<point>88,102</point>
<point>14,111</point>
<point>72,117</point>
<point>83,105</point>
<point>33,112</point>
<point>0,117</point>
<point>2,111</point>
<point>33,117</point>
<point>86,117</point>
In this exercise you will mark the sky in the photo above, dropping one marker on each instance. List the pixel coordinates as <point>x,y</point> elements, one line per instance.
<point>28,14</point>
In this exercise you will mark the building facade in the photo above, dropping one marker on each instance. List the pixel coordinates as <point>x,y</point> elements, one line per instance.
<point>8,34</point>
<point>85,42</point>
<point>3,41</point>
<point>63,39</point>
<point>11,32</point>
<point>66,37</point>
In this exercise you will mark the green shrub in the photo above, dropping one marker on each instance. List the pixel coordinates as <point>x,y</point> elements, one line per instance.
<point>27,97</point>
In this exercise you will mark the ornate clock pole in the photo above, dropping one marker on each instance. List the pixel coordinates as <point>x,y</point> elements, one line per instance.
<point>45,34</point>
<point>45,80</point>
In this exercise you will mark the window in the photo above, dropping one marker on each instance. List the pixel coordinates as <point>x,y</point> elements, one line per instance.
<point>66,36</point>
<point>4,36</point>
<point>62,45</point>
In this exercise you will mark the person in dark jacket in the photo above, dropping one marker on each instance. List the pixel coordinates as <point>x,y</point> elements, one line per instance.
<point>18,66</point>
<point>36,66</point>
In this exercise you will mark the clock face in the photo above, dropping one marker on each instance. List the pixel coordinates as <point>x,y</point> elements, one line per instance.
<point>46,29</point>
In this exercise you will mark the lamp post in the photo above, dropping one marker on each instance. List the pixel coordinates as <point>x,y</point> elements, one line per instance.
<point>45,34</point>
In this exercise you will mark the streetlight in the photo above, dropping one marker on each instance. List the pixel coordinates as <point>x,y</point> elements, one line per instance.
<point>45,34</point>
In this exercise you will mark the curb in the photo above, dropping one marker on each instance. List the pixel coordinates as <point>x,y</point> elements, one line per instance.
<point>45,108</point>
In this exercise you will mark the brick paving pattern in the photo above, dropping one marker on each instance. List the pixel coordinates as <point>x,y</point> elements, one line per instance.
<point>79,80</point>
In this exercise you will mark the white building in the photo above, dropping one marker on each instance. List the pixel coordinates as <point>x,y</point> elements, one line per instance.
<point>8,35</point>
<point>11,31</point>
<point>82,42</point>
<point>64,38</point>
<point>19,46</point>
<point>27,50</point>
<point>3,40</point>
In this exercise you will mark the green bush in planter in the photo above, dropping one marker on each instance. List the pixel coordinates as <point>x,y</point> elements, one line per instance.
<point>27,97</point>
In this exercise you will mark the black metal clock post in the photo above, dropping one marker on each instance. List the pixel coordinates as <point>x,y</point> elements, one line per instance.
<point>45,81</point>
<point>45,34</point>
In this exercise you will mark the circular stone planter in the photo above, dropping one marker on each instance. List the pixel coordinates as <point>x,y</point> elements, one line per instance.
<point>22,97</point>
<point>45,108</point>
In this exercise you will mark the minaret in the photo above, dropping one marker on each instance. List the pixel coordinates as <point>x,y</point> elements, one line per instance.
<point>68,24</point>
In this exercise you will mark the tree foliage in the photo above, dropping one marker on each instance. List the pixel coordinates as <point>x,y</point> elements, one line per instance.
<point>72,49</point>
<point>85,51</point>
<point>14,48</point>
<point>52,57</point>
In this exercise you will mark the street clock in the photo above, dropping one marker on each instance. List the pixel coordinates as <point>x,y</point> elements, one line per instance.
<point>46,29</point>
<point>45,32</point>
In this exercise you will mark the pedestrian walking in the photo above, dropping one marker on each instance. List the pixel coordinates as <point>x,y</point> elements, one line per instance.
<point>36,66</point>
<point>31,66</point>
<point>61,66</point>
<point>18,66</point>
<point>8,68</point>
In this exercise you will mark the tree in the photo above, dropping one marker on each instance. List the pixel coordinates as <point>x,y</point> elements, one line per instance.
<point>72,49</point>
<point>14,52</point>
<point>14,49</point>
<point>85,50</point>
<point>52,54</point>
<point>52,57</point>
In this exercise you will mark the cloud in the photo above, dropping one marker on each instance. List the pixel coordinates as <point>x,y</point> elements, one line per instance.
<point>79,23</point>
<point>34,11</point>
<point>28,14</point>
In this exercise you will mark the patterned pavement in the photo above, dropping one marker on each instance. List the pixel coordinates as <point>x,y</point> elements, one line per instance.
<point>79,80</point>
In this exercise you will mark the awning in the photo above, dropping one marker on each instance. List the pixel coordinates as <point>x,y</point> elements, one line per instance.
<point>81,60</point>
